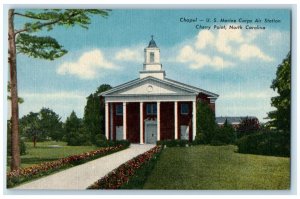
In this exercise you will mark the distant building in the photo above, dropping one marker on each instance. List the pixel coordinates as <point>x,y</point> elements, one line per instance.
<point>234,121</point>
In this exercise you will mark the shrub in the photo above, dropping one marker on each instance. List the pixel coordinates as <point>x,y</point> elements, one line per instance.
<point>108,143</point>
<point>224,135</point>
<point>183,143</point>
<point>265,143</point>
<point>206,122</point>
<point>173,143</point>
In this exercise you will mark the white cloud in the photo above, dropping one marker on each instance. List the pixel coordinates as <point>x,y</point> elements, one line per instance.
<point>198,60</point>
<point>204,39</point>
<point>53,95</point>
<point>128,55</point>
<point>222,46</point>
<point>247,51</point>
<point>88,66</point>
<point>249,95</point>
<point>61,102</point>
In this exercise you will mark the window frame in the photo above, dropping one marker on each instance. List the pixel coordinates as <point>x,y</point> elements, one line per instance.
<point>118,108</point>
<point>181,109</point>
<point>152,57</point>
<point>151,109</point>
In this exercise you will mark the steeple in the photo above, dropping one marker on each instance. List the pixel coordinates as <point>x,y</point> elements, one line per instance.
<point>152,43</point>
<point>152,66</point>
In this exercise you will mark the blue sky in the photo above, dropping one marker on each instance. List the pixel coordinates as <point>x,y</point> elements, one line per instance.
<point>239,65</point>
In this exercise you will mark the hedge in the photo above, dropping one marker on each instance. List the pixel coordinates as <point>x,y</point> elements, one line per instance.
<point>174,143</point>
<point>265,143</point>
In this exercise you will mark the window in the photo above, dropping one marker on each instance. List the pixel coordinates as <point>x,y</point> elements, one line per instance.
<point>151,57</point>
<point>184,109</point>
<point>151,109</point>
<point>119,109</point>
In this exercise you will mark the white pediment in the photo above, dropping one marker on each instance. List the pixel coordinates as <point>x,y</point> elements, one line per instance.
<point>148,88</point>
<point>151,86</point>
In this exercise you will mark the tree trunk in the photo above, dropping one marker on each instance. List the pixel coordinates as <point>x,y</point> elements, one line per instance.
<point>15,148</point>
<point>34,141</point>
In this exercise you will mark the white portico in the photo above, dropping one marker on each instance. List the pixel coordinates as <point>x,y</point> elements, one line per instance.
<point>153,107</point>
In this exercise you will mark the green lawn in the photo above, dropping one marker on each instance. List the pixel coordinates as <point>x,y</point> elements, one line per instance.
<point>218,167</point>
<point>44,152</point>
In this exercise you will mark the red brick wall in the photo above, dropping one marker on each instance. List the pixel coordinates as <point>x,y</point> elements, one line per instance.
<point>133,122</point>
<point>117,119</point>
<point>167,120</point>
<point>204,98</point>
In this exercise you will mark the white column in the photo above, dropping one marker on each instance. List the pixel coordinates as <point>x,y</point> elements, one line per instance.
<point>194,119</point>
<point>141,122</point>
<point>106,120</point>
<point>124,121</point>
<point>176,120</point>
<point>111,121</point>
<point>158,121</point>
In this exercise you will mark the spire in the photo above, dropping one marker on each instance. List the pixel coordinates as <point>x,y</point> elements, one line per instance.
<point>152,43</point>
<point>152,66</point>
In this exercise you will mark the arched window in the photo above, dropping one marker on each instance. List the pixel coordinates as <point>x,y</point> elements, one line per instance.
<point>151,57</point>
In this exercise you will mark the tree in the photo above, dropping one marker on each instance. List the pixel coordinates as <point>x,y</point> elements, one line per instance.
<point>23,41</point>
<point>32,128</point>
<point>206,123</point>
<point>281,117</point>
<point>51,124</point>
<point>248,125</point>
<point>75,133</point>
<point>94,114</point>
<point>224,135</point>
<point>22,143</point>
<point>20,100</point>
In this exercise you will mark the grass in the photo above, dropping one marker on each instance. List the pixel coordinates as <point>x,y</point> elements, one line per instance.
<point>43,152</point>
<point>218,168</point>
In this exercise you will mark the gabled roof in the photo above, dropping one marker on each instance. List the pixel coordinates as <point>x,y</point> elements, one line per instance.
<point>199,90</point>
<point>168,83</point>
<point>231,119</point>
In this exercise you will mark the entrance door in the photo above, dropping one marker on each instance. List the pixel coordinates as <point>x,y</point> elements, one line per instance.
<point>151,133</point>
<point>184,132</point>
<point>119,132</point>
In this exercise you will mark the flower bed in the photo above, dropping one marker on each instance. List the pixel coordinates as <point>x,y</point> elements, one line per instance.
<point>24,174</point>
<point>121,175</point>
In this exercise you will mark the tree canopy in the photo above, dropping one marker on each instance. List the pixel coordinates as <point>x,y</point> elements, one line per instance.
<point>46,47</point>
<point>281,117</point>
<point>75,134</point>
<point>94,114</point>
<point>27,42</point>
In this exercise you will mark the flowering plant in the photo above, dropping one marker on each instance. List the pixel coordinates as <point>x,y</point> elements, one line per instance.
<point>121,175</point>
<point>23,174</point>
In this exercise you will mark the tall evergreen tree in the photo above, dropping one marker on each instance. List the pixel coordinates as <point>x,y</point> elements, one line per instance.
<point>51,124</point>
<point>94,114</point>
<point>23,41</point>
<point>74,131</point>
<point>281,117</point>
<point>206,122</point>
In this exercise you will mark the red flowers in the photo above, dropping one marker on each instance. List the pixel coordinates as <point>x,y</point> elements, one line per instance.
<point>24,174</point>
<point>121,175</point>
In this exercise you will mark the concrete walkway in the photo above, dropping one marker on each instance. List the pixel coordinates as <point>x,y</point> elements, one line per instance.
<point>82,176</point>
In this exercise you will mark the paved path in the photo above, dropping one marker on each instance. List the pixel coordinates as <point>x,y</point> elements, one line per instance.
<point>82,176</point>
